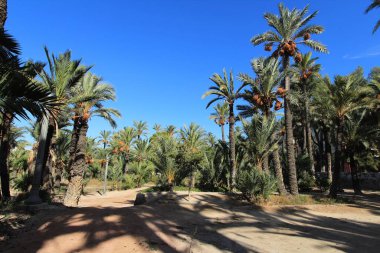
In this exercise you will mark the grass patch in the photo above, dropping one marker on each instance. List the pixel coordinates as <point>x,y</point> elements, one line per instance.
<point>176,188</point>
<point>306,199</point>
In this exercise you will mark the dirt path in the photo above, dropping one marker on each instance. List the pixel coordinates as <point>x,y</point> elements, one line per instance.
<point>208,222</point>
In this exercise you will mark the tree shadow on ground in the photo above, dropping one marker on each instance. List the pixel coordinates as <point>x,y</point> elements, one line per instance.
<point>174,224</point>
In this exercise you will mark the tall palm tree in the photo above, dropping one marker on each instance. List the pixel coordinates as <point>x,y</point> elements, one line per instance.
<point>225,90</point>
<point>93,92</point>
<point>157,127</point>
<point>346,95</point>
<point>141,128</point>
<point>373,5</point>
<point>122,144</point>
<point>263,93</point>
<point>289,29</point>
<point>20,96</point>
<point>308,72</point>
<point>62,75</point>
<point>220,116</point>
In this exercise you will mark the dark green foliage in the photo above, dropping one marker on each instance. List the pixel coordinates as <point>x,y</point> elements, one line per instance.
<point>306,182</point>
<point>255,185</point>
<point>322,181</point>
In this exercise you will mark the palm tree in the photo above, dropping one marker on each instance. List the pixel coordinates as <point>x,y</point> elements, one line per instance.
<point>122,144</point>
<point>170,130</point>
<point>308,72</point>
<point>263,93</point>
<point>104,138</point>
<point>164,158</point>
<point>344,96</point>
<point>220,116</point>
<point>225,90</point>
<point>20,96</point>
<point>358,137</point>
<point>373,5</point>
<point>141,128</point>
<point>157,128</point>
<point>3,12</point>
<point>290,29</point>
<point>191,150</point>
<point>63,74</point>
<point>92,92</point>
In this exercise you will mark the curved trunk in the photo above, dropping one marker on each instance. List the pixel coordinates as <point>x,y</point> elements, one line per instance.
<point>278,170</point>
<point>3,13</point>
<point>232,146</point>
<point>74,189</point>
<point>223,138</point>
<point>289,136</point>
<point>338,159</point>
<point>4,154</point>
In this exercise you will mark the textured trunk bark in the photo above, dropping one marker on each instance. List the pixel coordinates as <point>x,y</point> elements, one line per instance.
<point>43,144</point>
<point>328,153</point>
<point>338,160</point>
<point>73,142</point>
<point>3,13</point>
<point>74,189</point>
<point>354,175</point>
<point>7,119</point>
<point>278,170</point>
<point>48,170</point>
<point>290,140</point>
<point>223,138</point>
<point>309,140</point>
<point>304,143</point>
<point>266,164</point>
<point>232,146</point>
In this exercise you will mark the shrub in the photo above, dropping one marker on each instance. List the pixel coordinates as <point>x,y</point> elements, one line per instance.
<point>306,182</point>
<point>323,182</point>
<point>255,185</point>
<point>129,181</point>
<point>22,182</point>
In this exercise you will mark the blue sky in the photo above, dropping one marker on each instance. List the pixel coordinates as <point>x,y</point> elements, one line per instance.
<point>160,54</point>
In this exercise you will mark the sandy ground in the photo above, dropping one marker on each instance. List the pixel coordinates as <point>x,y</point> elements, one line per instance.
<point>207,222</point>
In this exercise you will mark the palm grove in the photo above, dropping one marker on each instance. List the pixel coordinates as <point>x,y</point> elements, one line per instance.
<point>327,124</point>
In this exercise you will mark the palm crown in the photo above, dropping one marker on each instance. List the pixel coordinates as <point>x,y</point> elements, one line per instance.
<point>290,29</point>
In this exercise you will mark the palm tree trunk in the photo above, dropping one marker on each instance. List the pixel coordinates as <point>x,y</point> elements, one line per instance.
<point>289,136</point>
<point>232,146</point>
<point>304,144</point>
<point>328,158</point>
<point>223,138</point>
<point>4,154</point>
<point>3,13</point>
<point>278,170</point>
<point>338,159</point>
<point>43,143</point>
<point>73,141</point>
<point>309,140</point>
<point>354,175</point>
<point>74,189</point>
<point>266,164</point>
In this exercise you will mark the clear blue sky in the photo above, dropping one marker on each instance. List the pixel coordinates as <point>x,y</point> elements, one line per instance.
<point>160,54</point>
